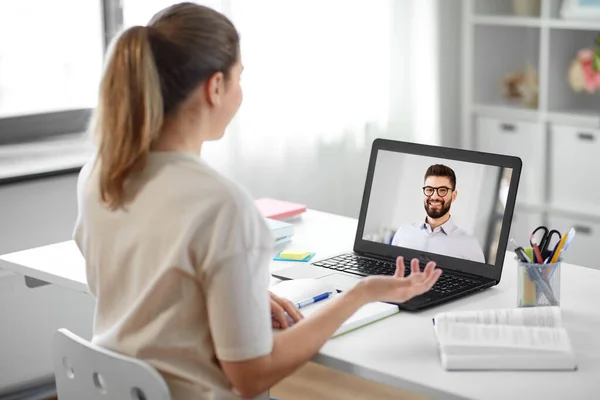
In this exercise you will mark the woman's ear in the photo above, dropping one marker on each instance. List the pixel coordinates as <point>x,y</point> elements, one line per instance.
<point>215,88</point>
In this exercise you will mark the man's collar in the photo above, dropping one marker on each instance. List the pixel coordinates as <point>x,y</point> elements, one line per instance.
<point>447,227</point>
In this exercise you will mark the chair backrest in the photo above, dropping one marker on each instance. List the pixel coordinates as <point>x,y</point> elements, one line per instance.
<point>86,371</point>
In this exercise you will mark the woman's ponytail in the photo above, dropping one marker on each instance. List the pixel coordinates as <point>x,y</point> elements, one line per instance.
<point>150,71</point>
<point>129,113</point>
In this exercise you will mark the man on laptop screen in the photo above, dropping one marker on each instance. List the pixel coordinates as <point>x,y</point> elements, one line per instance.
<point>464,204</point>
<point>438,233</point>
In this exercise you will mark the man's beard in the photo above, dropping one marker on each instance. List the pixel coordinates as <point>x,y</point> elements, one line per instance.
<point>439,211</point>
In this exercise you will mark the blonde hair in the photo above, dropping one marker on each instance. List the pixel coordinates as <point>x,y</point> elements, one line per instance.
<point>150,71</point>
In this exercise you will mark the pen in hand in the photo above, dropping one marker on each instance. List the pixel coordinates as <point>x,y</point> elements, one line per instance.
<point>307,302</point>
<point>314,299</point>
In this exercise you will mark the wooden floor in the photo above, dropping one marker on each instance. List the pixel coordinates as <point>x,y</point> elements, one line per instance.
<point>314,381</point>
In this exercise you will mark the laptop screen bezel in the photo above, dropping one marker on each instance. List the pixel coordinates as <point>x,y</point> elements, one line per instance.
<point>492,271</point>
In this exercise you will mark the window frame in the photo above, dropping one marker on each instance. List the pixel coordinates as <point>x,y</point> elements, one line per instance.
<point>31,127</point>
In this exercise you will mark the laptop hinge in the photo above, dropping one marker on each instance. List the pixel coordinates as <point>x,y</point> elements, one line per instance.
<point>423,259</point>
<point>376,256</point>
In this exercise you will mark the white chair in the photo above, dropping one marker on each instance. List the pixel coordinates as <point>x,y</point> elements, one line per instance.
<point>85,371</point>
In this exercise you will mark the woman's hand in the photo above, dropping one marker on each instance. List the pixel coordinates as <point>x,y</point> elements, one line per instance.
<point>284,312</point>
<point>400,288</point>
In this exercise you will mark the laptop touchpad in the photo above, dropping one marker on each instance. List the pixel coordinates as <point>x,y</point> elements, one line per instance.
<point>341,281</point>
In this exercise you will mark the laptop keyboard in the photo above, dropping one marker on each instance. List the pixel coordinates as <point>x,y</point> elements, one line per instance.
<point>352,264</point>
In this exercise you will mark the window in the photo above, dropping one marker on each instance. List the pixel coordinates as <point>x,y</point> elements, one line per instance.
<point>51,60</point>
<point>51,56</point>
<point>325,65</point>
<point>54,59</point>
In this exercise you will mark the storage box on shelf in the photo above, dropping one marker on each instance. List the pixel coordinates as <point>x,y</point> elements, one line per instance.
<point>555,12</point>
<point>574,168</point>
<point>522,139</point>
<point>584,249</point>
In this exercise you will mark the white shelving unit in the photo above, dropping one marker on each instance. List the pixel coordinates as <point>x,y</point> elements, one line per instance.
<point>559,139</point>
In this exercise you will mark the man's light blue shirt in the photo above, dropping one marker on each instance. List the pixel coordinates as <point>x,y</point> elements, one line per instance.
<point>446,239</point>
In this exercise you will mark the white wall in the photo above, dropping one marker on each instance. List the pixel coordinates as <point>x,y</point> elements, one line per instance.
<point>450,58</point>
<point>397,196</point>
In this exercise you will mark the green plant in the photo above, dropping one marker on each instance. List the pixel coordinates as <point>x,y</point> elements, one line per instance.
<point>596,62</point>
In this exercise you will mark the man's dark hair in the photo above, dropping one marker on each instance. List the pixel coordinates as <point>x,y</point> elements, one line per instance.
<point>442,170</point>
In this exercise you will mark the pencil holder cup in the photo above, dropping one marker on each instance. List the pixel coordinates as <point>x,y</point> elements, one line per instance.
<point>538,284</point>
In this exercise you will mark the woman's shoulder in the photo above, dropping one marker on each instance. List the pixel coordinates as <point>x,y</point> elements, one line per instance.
<point>224,194</point>
<point>222,190</point>
<point>233,211</point>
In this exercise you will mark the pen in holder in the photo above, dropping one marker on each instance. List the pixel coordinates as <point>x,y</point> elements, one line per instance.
<point>538,284</point>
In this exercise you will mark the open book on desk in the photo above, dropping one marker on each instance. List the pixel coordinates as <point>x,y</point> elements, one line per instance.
<point>504,339</point>
<point>297,290</point>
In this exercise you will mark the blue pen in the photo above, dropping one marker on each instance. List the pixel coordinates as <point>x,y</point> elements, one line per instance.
<point>315,299</point>
<point>309,301</point>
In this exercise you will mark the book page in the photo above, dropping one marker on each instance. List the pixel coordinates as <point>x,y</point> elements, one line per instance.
<point>463,335</point>
<point>533,316</point>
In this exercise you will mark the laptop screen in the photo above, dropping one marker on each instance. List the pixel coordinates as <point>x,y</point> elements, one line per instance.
<point>437,205</point>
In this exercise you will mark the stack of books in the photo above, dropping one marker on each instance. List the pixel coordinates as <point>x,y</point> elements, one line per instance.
<point>282,231</point>
<point>279,210</point>
<point>278,214</point>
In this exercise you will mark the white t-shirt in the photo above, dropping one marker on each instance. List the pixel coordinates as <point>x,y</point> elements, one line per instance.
<point>181,276</point>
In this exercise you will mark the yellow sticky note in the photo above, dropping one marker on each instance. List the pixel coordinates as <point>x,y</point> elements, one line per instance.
<point>294,254</point>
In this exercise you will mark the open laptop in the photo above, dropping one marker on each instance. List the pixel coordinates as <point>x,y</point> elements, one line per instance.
<point>432,203</point>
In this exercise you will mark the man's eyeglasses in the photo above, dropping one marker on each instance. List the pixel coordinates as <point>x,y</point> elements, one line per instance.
<point>442,191</point>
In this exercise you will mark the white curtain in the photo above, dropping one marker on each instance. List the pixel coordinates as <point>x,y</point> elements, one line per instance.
<point>322,79</point>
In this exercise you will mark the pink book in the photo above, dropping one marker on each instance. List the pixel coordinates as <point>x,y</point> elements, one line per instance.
<point>278,209</point>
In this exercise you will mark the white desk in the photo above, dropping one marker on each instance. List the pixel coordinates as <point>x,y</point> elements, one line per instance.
<point>401,350</point>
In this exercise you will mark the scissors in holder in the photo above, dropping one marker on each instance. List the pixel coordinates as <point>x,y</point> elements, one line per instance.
<point>543,237</point>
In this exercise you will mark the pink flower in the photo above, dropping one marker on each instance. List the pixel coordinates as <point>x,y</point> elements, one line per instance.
<point>585,55</point>
<point>591,77</point>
